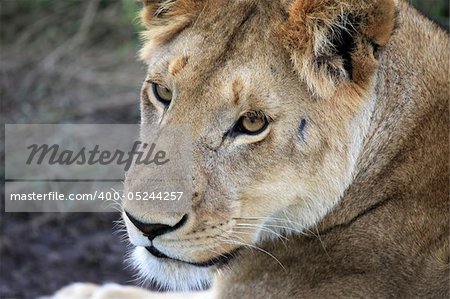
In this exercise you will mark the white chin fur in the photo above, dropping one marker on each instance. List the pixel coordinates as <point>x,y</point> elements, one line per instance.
<point>168,274</point>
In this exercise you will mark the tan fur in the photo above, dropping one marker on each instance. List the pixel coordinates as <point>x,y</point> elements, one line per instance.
<point>307,32</point>
<point>374,155</point>
<point>237,88</point>
<point>177,65</point>
<point>345,195</point>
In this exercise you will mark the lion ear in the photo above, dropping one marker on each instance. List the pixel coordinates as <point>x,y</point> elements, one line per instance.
<point>164,20</point>
<point>154,10</point>
<point>148,2</point>
<point>334,44</point>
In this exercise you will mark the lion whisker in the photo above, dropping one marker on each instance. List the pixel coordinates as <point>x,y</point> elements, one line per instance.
<point>274,226</point>
<point>261,227</point>
<point>254,247</point>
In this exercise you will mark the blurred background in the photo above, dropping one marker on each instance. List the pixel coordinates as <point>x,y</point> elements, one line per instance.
<point>73,61</point>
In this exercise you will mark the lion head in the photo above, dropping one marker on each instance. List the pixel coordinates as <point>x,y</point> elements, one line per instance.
<point>277,95</point>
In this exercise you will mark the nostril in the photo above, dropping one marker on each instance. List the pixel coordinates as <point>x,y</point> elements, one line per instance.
<point>152,230</point>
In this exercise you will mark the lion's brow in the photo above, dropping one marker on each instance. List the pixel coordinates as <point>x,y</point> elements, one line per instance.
<point>178,64</point>
<point>236,89</point>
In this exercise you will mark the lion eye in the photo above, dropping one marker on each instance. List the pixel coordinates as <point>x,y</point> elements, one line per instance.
<point>252,123</point>
<point>162,93</point>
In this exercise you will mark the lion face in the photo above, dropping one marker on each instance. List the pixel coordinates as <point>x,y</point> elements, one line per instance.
<point>274,143</point>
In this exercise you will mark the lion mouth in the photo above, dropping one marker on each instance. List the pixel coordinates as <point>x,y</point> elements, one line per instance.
<point>155,252</point>
<point>221,260</point>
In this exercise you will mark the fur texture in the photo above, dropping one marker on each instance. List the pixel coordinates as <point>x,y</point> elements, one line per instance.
<point>345,194</point>
<point>369,180</point>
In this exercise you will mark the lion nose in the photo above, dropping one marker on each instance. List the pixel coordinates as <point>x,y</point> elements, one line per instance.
<point>152,230</point>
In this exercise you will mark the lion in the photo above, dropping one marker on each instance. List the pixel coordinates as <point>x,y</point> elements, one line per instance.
<point>320,151</point>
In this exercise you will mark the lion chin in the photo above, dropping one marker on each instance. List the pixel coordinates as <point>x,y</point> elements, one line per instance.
<point>170,274</point>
